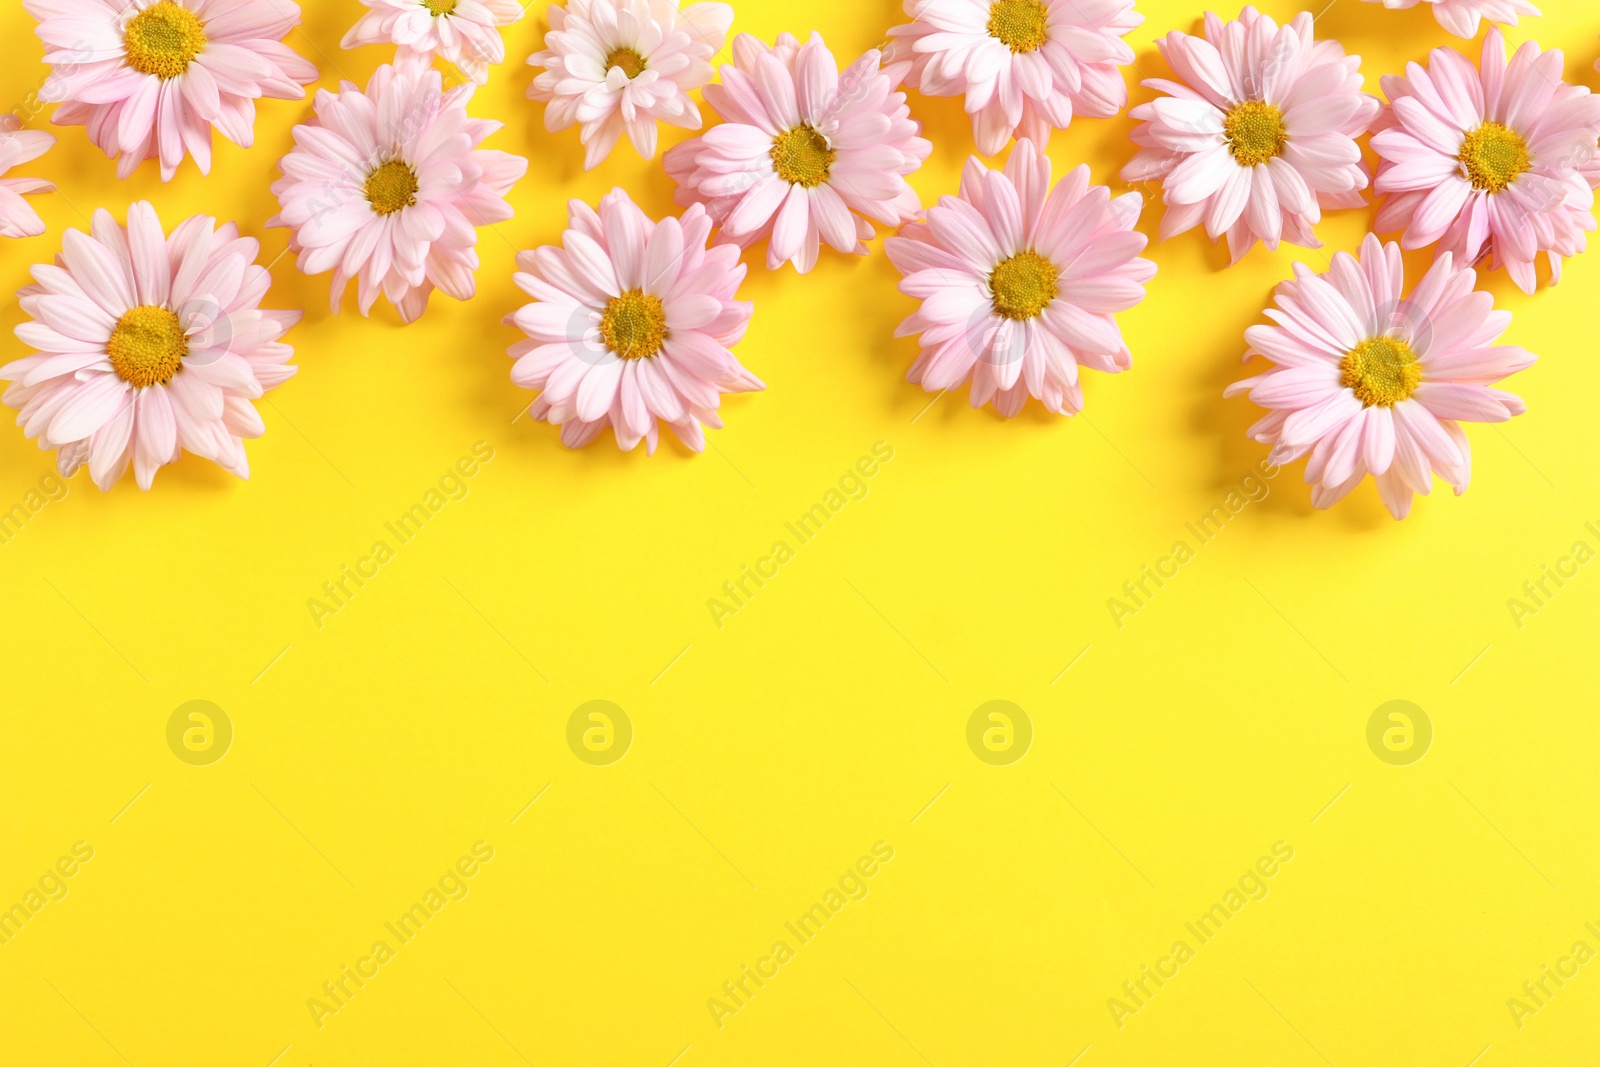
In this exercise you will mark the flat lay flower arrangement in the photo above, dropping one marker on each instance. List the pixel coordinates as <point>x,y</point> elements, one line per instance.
<point>146,348</point>
<point>414,380</point>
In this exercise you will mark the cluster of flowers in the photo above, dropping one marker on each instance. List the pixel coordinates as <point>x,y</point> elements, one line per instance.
<point>152,343</point>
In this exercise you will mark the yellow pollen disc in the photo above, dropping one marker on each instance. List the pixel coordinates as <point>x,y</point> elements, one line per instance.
<point>1024,285</point>
<point>147,347</point>
<point>439,7</point>
<point>634,325</point>
<point>1493,156</point>
<point>1020,25</point>
<point>631,62</point>
<point>1254,132</point>
<point>801,156</point>
<point>163,40</point>
<point>1381,371</point>
<point>391,187</point>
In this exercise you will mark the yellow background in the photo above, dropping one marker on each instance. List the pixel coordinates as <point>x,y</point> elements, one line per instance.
<point>769,754</point>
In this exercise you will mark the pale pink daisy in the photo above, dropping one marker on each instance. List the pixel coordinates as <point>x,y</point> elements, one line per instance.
<point>385,186</point>
<point>805,153</point>
<point>1369,380</point>
<point>1025,67</point>
<point>1489,161</point>
<point>620,66</point>
<point>1019,283</point>
<point>149,346</point>
<point>631,326</point>
<point>1591,168</point>
<point>463,32</point>
<point>17,216</point>
<point>152,78</point>
<point>1461,17</point>
<point>1258,135</point>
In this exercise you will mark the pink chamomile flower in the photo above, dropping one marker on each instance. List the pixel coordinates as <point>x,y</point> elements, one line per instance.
<point>631,326</point>
<point>620,66</point>
<point>465,33</point>
<point>1258,135</point>
<point>1591,168</point>
<point>1489,161</point>
<point>805,153</point>
<point>1025,67</point>
<point>1019,283</point>
<point>17,216</point>
<point>386,187</point>
<point>1368,380</point>
<point>152,78</point>
<point>1461,17</point>
<point>149,346</point>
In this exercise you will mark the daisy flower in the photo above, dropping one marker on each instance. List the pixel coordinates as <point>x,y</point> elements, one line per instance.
<point>1489,160</point>
<point>386,186</point>
<point>805,153</point>
<point>1019,282</point>
<point>620,66</point>
<point>151,78</point>
<point>1591,168</point>
<point>1367,380</point>
<point>463,32</point>
<point>17,217</point>
<point>149,346</point>
<point>1461,17</point>
<point>631,325</point>
<point>1258,135</point>
<point>1025,66</point>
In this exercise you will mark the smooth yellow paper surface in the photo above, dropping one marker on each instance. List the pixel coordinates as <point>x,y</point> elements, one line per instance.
<point>1171,750</point>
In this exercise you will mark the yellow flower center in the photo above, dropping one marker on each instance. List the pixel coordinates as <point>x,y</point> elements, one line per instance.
<point>1024,285</point>
<point>1020,25</point>
<point>439,7</point>
<point>1254,132</point>
<point>801,156</point>
<point>163,40</point>
<point>1381,371</point>
<point>1493,156</point>
<point>147,347</point>
<point>631,62</point>
<point>391,187</point>
<point>634,325</point>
